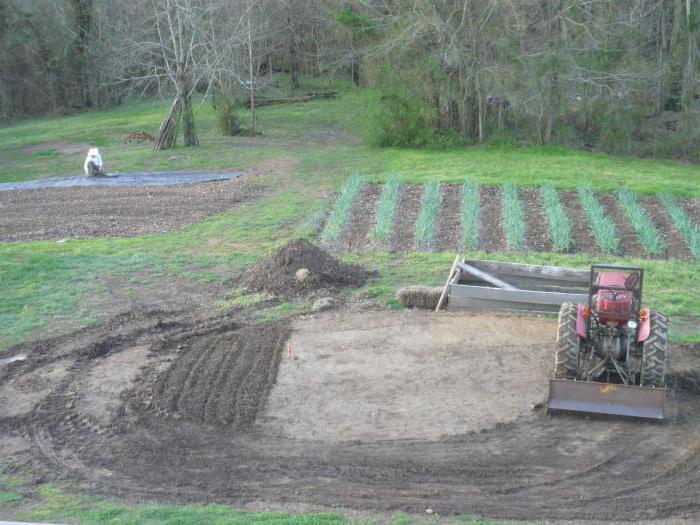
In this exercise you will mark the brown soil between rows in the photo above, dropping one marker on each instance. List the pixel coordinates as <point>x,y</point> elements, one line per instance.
<point>361,219</point>
<point>448,232</point>
<point>674,244</point>
<point>629,243</point>
<point>581,233</point>
<point>491,235</point>
<point>692,206</point>
<point>537,232</point>
<point>521,464</point>
<point>405,216</point>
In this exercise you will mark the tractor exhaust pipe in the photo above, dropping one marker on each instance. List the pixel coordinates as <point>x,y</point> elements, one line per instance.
<point>606,398</point>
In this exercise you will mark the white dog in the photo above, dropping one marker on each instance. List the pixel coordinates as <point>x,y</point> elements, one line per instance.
<point>93,163</point>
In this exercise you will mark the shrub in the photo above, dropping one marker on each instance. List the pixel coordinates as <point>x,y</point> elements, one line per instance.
<point>642,224</point>
<point>513,219</point>
<point>602,226</point>
<point>685,225</point>
<point>386,206</point>
<point>430,203</point>
<point>471,203</point>
<point>557,218</point>
<point>338,215</point>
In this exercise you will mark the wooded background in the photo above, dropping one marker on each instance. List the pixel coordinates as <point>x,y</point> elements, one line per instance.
<point>613,75</point>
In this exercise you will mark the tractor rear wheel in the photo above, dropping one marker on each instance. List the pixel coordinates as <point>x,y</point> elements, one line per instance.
<point>568,344</point>
<point>654,352</point>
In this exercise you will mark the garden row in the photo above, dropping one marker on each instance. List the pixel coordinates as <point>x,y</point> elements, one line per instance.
<point>435,216</point>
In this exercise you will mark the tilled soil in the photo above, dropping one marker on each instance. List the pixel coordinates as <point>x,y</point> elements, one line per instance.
<point>533,467</point>
<point>448,234</point>
<point>629,243</point>
<point>491,235</point>
<point>581,233</point>
<point>537,233</point>
<point>674,244</point>
<point>405,217</point>
<point>58,213</point>
<point>361,219</point>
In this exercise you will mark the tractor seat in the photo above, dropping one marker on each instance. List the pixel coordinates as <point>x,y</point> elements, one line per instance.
<point>613,305</point>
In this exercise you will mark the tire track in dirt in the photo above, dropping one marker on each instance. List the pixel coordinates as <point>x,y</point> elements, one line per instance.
<point>448,235</point>
<point>536,467</point>
<point>361,219</point>
<point>537,233</point>
<point>491,235</point>
<point>674,244</point>
<point>405,216</point>
<point>581,232</point>
<point>629,243</point>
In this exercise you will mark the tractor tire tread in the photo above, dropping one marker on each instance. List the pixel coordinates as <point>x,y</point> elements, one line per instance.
<point>568,343</point>
<point>654,352</point>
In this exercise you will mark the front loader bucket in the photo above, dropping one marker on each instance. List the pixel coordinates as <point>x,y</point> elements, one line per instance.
<point>606,398</point>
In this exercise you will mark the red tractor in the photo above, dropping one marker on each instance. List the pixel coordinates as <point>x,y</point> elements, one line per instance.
<point>611,352</point>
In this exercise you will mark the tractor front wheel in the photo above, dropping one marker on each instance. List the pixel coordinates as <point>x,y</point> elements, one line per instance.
<point>568,344</point>
<point>654,352</point>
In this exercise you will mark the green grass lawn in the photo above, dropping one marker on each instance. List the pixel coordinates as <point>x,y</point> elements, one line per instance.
<point>43,285</point>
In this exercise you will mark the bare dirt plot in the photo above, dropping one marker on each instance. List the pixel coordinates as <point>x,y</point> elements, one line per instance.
<point>531,467</point>
<point>448,234</point>
<point>361,219</point>
<point>537,233</point>
<point>375,376</point>
<point>57,213</point>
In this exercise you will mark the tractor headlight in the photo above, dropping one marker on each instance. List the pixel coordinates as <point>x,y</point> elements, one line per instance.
<point>632,325</point>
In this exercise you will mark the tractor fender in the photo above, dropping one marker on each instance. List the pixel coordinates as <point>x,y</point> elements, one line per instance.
<point>644,327</point>
<point>581,321</point>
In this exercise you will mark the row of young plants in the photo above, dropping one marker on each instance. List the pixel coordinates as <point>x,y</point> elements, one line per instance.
<point>513,218</point>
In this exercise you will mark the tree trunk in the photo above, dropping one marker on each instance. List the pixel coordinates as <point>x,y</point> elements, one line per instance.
<point>83,24</point>
<point>189,133</point>
<point>293,54</point>
<point>253,117</point>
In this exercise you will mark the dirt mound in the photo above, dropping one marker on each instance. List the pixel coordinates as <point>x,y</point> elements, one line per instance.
<point>298,268</point>
<point>225,379</point>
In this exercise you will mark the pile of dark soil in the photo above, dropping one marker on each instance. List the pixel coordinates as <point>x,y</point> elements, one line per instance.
<point>299,268</point>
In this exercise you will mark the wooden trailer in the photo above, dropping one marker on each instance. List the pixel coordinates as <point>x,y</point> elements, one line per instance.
<point>490,285</point>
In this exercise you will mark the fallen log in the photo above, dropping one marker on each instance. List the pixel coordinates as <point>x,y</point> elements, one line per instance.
<point>290,100</point>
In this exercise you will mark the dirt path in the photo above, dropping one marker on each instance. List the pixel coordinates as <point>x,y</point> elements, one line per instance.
<point>361,219</point>
<point>448,234</point>
<point>537,232</point>
<point>516,464</point>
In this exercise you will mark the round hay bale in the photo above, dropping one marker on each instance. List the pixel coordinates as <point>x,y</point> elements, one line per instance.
<point>419,296</point>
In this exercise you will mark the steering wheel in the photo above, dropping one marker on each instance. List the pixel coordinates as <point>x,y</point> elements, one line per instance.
<point>632,280</point>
